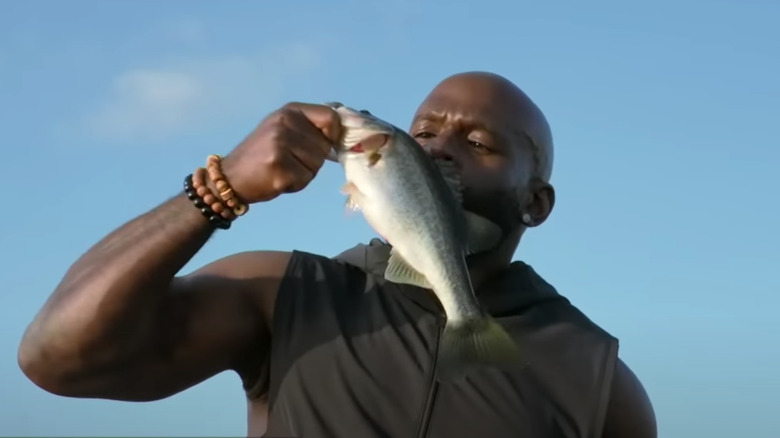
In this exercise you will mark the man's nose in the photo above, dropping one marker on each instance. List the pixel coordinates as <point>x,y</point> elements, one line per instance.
<point>438,149</point>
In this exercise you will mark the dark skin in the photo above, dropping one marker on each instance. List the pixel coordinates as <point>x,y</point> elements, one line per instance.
<point>123,325</point>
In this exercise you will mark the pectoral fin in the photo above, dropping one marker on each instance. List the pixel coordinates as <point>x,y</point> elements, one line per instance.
<point>373,158</point>
<point>353,196</point>
<point>399,271</point>
<point>352,205</point>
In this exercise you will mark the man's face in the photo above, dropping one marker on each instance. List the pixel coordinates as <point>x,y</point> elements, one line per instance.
<point>475,122</point>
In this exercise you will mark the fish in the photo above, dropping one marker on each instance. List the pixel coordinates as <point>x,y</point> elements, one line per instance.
<point>414,202</point>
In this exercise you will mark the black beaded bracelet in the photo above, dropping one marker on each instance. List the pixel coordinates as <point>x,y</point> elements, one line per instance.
<point>214,218</point>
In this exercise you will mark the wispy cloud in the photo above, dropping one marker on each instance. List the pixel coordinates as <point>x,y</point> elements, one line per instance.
<point>162,100</point>
<point>155,101</point>
<point>186,30</point>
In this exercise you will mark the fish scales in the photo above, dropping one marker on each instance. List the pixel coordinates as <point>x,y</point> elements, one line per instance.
<point>414,202</point>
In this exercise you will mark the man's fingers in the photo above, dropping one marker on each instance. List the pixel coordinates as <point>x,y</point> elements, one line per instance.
<point>308,150</point>
<point>323,117</point>
<point>298,175</point>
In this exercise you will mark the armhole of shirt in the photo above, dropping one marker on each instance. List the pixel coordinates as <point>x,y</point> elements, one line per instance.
<point>284,294</point>
<point>607,376</point>
<point>260,387</point>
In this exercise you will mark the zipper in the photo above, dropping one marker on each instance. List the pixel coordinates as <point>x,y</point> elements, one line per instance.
<point>433,385</point>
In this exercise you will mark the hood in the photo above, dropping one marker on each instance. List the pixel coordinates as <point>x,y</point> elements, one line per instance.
<point>371,258</point>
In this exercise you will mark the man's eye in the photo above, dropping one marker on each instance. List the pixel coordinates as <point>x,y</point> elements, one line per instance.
<point>423,135</point>
<point>479,146</point>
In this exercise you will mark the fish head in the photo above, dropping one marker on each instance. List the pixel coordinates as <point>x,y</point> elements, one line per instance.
<point>364,135</point>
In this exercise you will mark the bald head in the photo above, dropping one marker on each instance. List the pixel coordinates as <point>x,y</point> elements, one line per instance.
<point>501,143</point>
<point>507,104</point>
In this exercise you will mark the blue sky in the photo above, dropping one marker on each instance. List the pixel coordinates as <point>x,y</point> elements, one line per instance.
<point>664,115</point>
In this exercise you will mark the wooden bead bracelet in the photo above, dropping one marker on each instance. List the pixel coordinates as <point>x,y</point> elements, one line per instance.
<point>214,170</point>
<point>220,209</point>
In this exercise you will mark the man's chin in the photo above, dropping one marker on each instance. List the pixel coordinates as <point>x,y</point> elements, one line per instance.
<point>500,207</point>
<point>505,221</point>
<point>492,238</point>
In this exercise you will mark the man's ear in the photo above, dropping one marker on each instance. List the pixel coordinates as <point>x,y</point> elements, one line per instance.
<point>540,203</point>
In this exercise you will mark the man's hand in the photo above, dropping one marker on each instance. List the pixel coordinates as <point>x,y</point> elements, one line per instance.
<point>284,153</point>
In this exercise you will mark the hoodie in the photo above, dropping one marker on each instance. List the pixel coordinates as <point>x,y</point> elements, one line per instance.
<point>354,356</point>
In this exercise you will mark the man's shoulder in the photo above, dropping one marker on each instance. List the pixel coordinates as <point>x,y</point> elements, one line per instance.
<point>307,260</point>
<point>370,258</point>
<point>279,264</point>
<point>308,271</point>
<point>248,265</point>
<point>630,411</point>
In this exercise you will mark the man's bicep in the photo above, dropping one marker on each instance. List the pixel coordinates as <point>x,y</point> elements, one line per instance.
<point>226,307</point>
<point>251,279</point>
<point>630,412</point>
<point>214,319</point>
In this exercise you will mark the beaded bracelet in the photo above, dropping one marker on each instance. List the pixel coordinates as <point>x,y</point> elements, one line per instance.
<point>214,218</point>
<point>214,171</point>
<point>202,189</point>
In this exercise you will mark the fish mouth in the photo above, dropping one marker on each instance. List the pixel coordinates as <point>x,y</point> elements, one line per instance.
<point>363,131</point>
<point>371,143</point>
<point>352,118</point>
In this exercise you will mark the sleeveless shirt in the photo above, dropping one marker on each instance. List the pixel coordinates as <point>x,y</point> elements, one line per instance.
<point>354,356</point>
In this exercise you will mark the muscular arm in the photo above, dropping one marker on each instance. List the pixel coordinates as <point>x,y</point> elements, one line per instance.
<point>630,413</point>
<point>121,326</point>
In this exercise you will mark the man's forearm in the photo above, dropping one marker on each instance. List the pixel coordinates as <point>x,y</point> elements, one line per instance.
<point>146,251</point>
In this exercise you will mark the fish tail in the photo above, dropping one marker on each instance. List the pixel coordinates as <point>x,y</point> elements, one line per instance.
<point>480,341</point>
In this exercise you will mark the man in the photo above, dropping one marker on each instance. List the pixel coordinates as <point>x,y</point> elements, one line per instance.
<point>326,345</point>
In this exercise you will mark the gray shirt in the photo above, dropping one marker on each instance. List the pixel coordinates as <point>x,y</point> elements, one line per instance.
<point>354,356</point>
